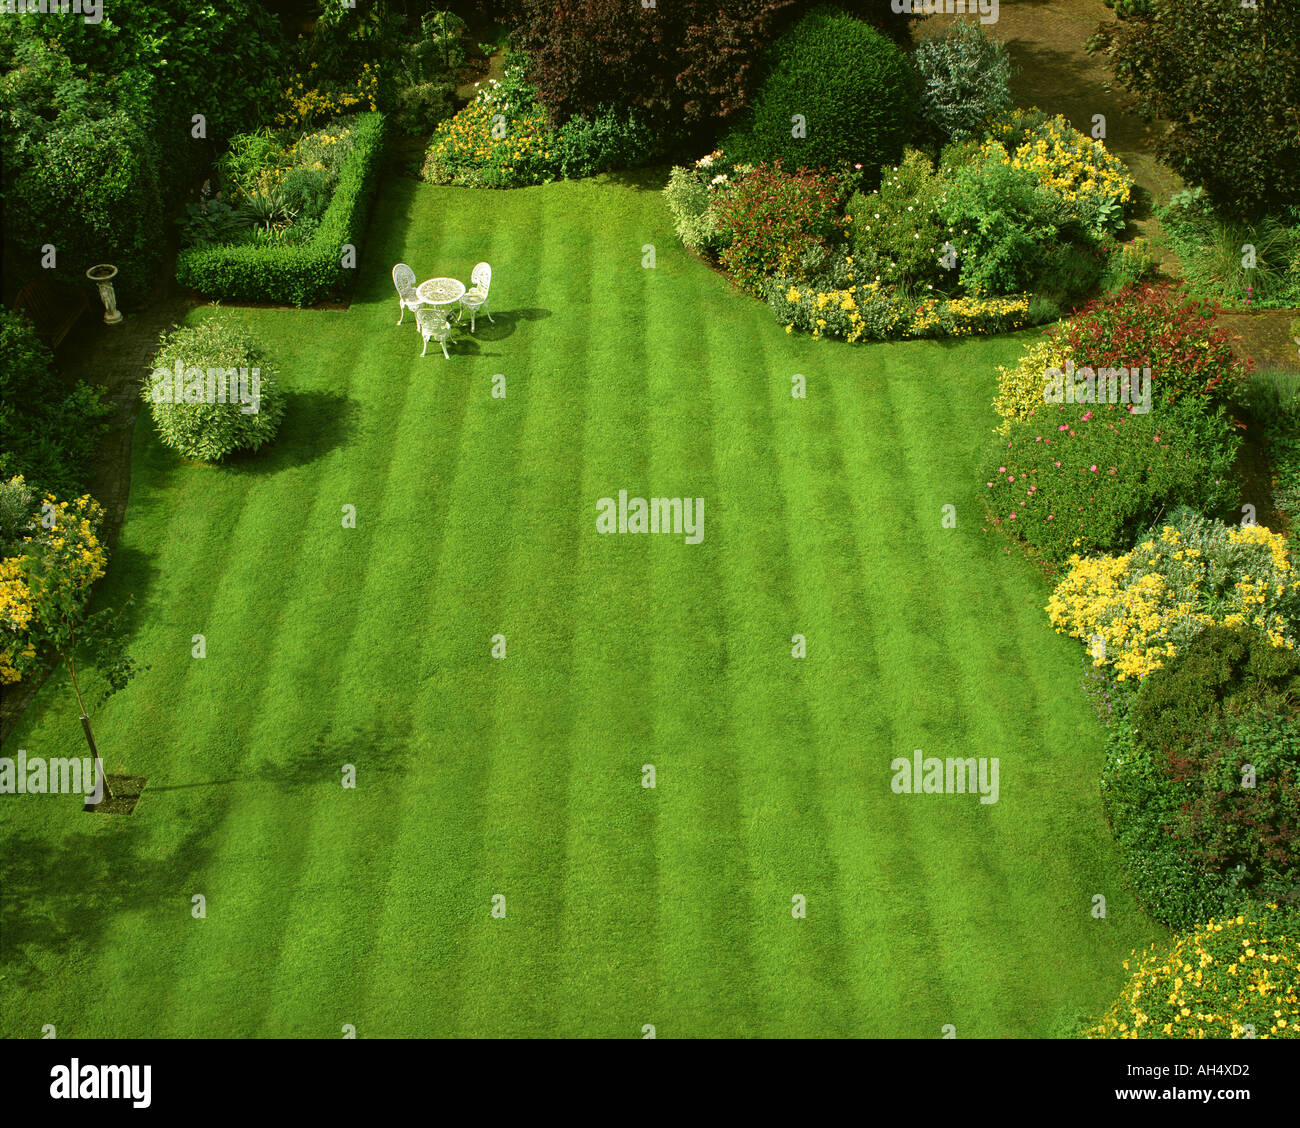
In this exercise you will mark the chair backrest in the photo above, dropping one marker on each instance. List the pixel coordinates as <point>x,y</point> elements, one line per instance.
<point>403,277</point>
<point>432,322</point>
<point>482,276</point>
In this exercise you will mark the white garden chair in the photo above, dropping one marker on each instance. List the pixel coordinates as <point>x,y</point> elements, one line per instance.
<point>404,280</point>
<point>476,297</point>
<point>433,323</point>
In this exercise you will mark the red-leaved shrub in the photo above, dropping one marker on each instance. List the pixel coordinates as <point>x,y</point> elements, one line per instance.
<point>1157,327</point>
<point>768,218</point>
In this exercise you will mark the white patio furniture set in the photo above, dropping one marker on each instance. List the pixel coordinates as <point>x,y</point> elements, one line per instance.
<point>429,301</point>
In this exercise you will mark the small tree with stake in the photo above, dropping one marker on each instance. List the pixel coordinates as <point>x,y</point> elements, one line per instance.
<point>44,598</point>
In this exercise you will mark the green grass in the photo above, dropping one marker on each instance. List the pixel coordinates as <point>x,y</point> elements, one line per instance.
<point>476,516</point>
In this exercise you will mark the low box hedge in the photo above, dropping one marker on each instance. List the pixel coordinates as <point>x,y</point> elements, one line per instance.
<point>301,275</point>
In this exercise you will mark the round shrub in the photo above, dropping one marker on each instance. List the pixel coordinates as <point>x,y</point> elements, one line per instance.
<point>1231,978</point>
<point>852,87</point>
<point>204,428</point>
<point>965,77</point>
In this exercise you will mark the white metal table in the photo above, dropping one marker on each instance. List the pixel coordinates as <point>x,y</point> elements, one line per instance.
<point>440,291</point>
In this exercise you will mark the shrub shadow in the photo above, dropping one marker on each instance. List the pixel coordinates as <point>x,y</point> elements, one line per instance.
<point>314,424</point>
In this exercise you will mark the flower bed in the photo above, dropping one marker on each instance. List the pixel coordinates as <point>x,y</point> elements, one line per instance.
<point>298,274</point>
<point>997,237</point>
<point>504,139</point>
<point>1226,978</point>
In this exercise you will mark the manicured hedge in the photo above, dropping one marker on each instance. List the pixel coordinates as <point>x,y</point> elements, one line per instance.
<point>297,275</point>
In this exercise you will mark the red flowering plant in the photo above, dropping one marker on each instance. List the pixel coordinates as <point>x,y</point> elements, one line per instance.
<point>769,218</point>
<point>1161,328</point>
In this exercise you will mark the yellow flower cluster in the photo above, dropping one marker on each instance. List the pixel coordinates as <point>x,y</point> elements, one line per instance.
<point>62,557</point>
<point>307,102</point>
<point>475,138</point>
<point>840,313</point>
<point>1231,978</point>
<point>1136,610</point>
<point>1064,160</point>
<point>968,316</point>
<point>837,312</point>
<point>1020,388</point>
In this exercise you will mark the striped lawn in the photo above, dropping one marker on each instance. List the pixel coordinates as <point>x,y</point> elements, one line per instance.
<point>475,516</point>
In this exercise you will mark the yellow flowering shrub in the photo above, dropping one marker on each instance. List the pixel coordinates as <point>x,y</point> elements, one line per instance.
<point>1020,387</point>
<point>1232,978</point>
<point>857,312</point>
<point>502,139</point>
<point>868,311</point>
<point>1078,168</point>
<point>307,103</point>
<point>58,563</point>
<point>1136,610</point>
<point>967,316</point>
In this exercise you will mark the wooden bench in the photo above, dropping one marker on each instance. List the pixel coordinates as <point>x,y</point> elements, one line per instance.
<point>52,309</point>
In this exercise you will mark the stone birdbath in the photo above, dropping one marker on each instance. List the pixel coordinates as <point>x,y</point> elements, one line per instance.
<point>103,275</point>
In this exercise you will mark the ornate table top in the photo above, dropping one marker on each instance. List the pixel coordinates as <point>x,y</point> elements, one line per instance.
<point>440,291</point>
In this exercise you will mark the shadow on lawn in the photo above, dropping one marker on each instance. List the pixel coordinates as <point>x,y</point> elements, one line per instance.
<point>59,896</point>
<point>315,423</point>
<point>502,325</point>
<point>372,749</point>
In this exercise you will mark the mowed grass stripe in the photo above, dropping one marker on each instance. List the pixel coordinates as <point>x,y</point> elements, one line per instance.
<point>512,958</point>
<point>604,962</point>
<point>799,961</point>
<point>833,682</point>
<point>953,837</point>
<point>964,552</point>
<point>354,829</point>
<point>433,889</point>
<point>683,653</point>
<point>1055,879</point>
<point>707,878</point>
<point>252,916</point>
<point>865,446</point>
<point>350,843</point>
<point>689,636</point>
